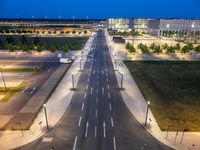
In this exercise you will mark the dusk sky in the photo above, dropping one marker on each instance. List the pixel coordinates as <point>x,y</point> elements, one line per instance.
<point>100,8</point>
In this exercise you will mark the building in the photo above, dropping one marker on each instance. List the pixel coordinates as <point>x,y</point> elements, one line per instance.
<point>140,25</point>
<point>173,27</point>
<point>120,24</point>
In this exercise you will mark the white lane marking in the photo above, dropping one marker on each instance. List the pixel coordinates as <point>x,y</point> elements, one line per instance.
<point>114,143</point>
<point>79,122</point>
<point>49,70</point>
<point>109,95</point>
<point>85,95</point>
<point>86,86</point>
<point>108,86</point>
<point>97,83</point>
<point>24,90</point>
<point>97,91</point>
<point>95,131</point>
<point>112,123</point>
<point>106,74</point>
<point>107,79</point>
<point>102,72</point>
<point>96,113</point>
<point>98,77</point>
<point>88,80</point>
<point>110,106</point>
<point>94,72</point>
<point>75,141</point>
<point>86,131</point>
<point>90,69</point>
<point>104,129</point>
<point>102,90</point>
<point>33,90</point>
<point>96,100</point>
<point>83,105</point>
<point>89,74</point>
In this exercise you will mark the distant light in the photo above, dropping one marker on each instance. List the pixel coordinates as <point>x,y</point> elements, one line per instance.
<point>192,26</point>
<point>167,25</point>
<point>148,102</point>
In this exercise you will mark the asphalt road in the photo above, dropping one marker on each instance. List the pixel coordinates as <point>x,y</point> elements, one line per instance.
<point>97,118</point>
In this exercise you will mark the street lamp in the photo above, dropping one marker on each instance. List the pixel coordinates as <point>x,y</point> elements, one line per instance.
<point>33,64</point>
<point>115,62</point>
<point>80,64</point>
<point>45,111</point>
<point>122,77</point>
<point>72,80</point>
<point>148,103</point>
<point>3,77</point>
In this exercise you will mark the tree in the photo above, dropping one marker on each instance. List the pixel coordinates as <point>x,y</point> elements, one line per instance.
<point>73,32</point>
<point>67,32</point>
<point>66,48</point>
<point>177,47</point>
<point>52,48</point>
<point>128,45</point>
<point>10,47</point>
<point>25,48</point>
<point>170,50</point>
<point>165,46</point>
<point>157,49</point>
<point>19,45</point>
<point>197,49</point>
<point>190,46</point>
<point>85,32</point>
<point>69,44</point>
<point>132,49</point>
<point>152,46</point>
<point>185,49</point>
<point>62,32</point>
<point>144,48</point>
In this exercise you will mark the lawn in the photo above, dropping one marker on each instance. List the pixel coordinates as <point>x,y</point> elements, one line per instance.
<point>174,91</point>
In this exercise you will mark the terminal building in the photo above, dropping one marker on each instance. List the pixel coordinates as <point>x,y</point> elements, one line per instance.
<point>121,24</point>
<point>174,27</point>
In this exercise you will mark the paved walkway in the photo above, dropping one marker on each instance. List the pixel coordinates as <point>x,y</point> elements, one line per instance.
<point>136,103</point>
<point>56,107</point>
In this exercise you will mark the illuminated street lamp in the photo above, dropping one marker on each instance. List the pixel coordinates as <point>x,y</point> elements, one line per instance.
<point>148,103</point>
<point>122,78</point>
<point>72,80</point>
<point>45,111</point>
<point>3,76</point>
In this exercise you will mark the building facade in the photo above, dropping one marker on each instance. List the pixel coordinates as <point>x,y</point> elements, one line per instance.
<point>173,27</point>
<point>120,24</point>
<point>141,25</point>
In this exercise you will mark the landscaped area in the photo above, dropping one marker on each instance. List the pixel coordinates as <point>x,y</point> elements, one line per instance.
<point>173,89</point>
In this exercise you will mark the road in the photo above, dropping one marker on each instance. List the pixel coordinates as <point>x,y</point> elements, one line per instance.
<point>97,118</point>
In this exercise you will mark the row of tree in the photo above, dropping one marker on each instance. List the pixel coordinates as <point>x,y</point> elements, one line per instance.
<point>40,32</point>
<point>125,33</point>
<point>165,48</point>
<point>38,47</point>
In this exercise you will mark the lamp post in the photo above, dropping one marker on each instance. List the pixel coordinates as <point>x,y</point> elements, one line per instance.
<point>115,62</point>
<point>72,80</point>
<point>148,103</point>
<point>122,78</point>
<point>80,65</point>
<point>3,77</point>
<point>45,111</point>
<point>33,64</point>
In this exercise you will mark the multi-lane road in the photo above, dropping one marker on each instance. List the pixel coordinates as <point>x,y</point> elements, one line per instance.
<point>97,118</point>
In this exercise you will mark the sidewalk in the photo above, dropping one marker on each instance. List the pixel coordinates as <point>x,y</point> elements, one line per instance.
<point>56,106</point>
<point>136,103</point>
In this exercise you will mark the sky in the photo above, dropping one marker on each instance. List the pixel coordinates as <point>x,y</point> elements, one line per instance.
<point>100,9</point>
